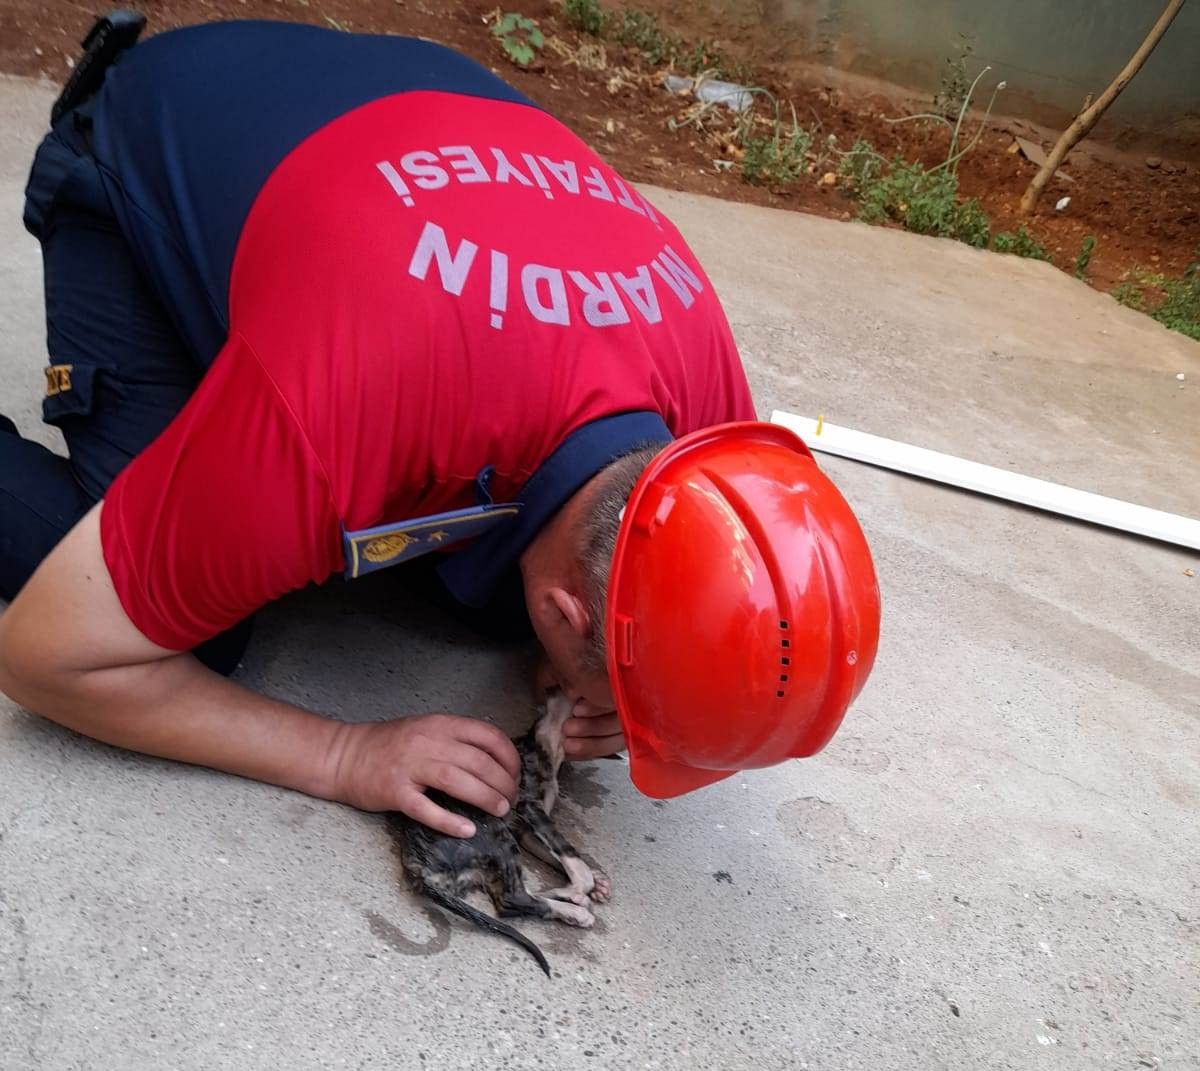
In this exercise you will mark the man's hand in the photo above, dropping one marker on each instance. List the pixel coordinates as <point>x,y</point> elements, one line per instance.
<point>590,733</point>
<point>387,766</point>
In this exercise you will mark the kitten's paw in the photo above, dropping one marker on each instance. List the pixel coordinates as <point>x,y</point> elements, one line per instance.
<point>568,894</point>
<point>573,914</point>
<point>580,916</point>
<point>601,887</point>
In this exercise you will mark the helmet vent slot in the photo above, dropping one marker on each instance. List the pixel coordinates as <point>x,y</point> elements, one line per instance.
<point>785,661</point>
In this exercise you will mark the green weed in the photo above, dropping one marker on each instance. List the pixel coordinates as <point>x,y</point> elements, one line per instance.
<point>1020,243</point>
<point>656,46</point>
<point>776,160</point>
<point>859,167</point>
<point>519,37</point>
<point>970,224</point>
<point>736,70</point>
<point>1176,302</point>
<point>1085,256</point>
<point>584,15</point>
<point>641,32</point>
<point>1130,295</point>
<point>954,92</point>
<point>924,201</point>
<point>1180,308</point>
<point>703,56</point>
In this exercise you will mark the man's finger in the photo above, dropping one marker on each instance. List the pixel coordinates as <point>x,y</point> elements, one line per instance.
<point>594,747</point>
<point>462,785</point>
<point>598,725</point>
<point>491,740</point>
<point>420,808</point>
<point>480,763</point>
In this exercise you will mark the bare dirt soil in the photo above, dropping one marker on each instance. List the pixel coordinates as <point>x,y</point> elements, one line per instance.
<point>1140,215</point>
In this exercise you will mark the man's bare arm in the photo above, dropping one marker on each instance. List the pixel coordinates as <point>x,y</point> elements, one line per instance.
<point>69,652</point>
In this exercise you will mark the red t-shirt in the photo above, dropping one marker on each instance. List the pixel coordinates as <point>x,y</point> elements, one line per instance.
<point>429,284</point>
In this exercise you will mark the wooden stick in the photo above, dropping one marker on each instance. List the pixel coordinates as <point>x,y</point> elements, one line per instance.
<point>1087,118</point>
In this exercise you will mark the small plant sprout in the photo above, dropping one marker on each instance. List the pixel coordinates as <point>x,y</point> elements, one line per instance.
<point>585,16</point>
<point>956,83</point>
<point>1173,302</point>
<point>1085,256</point>
<point>519,36</point>
<point>1020,243</point>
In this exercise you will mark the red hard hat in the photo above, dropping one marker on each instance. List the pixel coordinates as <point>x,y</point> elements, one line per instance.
<point>743,610</point>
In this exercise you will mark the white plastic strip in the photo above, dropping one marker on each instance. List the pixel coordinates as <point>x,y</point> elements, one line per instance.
<point>986,480</point>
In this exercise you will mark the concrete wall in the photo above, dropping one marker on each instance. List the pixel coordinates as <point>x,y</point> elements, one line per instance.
<point>1052,53</point>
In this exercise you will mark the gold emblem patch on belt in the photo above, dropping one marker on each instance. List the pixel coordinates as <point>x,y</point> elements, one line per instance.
<point>58,379</point>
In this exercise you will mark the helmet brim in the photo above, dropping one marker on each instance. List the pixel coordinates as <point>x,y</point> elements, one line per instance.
<point>661,780</point>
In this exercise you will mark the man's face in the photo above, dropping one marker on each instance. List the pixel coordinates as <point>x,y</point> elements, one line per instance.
<point>564,648</point>
<point>595,690</point>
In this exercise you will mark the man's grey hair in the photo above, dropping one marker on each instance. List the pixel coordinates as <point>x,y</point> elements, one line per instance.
<point>597,537</point>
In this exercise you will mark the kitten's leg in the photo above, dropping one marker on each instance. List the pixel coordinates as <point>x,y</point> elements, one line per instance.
<point>543,839</point>
<point>506,886</point>
<point>536,848</point>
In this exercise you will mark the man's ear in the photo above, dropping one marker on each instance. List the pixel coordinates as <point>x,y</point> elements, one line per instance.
<point>571,609</point>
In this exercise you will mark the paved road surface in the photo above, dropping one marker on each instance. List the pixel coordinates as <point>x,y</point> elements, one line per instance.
<point>994,864</point>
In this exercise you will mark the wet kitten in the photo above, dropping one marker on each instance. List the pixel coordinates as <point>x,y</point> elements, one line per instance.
<point>446,868</point>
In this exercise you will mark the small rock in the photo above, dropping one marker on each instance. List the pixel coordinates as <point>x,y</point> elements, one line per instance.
<point>1180,376</point>
<point>1154,162</point>
<point>829,179</point>
<point>1189,572</point>
<point>1061,203</point>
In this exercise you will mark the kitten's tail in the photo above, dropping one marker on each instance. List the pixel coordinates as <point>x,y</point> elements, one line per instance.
<point>483,921</point>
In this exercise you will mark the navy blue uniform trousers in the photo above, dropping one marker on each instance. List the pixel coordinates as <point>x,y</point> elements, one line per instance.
<point>118,373</point>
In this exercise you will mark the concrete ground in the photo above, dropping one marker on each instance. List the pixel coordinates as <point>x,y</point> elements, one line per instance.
<point>993,865</point>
